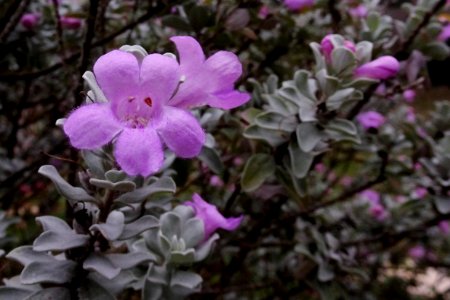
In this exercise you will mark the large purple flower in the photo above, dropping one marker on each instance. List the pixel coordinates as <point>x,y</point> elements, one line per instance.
<point>207,81</point>
<point>139,114</point>
<point>211,217</point>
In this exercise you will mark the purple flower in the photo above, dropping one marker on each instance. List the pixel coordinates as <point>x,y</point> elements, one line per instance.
<point>381,68</point>
<point>444,227</point>
<point>417,252</point>
<point>207,81</point>
<point>378,212</point>
<point>445,33</point>
<point>211,217</point>
<point>420,192</point>
<point>70,22</point>
<point>142,113</point>
<point>372,196</point>
<point>409,95</point>
<point>298,4</point>
<point>359,11</point>
<point>370,119</point>
<point>327,47</point>
<point>30,20</point>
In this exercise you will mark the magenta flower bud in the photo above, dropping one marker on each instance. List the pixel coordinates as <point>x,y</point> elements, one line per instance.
<point>359,11</point>
<point>263,12</point>
<point>420,192</point>
<point>372,196</point>
<point>409,95</point>
<point>381,68</point>
<point>444,227</point>
<point>70,22</point>
<point>378,212</point>
<point>445,33</point>
<point>298,4</point>
<point>211,217</point>
<point>30,20</point>
<point>215,181</point>
<point>417,252</point>
<point>327,47</point>
<point>370,119</point>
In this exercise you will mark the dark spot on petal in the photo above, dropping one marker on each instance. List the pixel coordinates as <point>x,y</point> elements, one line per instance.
<point>148,101</point>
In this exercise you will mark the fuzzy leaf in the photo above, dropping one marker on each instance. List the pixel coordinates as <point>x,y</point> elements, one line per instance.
<point>48,272</point>
<point>257,169</point>
<point>164,184</point>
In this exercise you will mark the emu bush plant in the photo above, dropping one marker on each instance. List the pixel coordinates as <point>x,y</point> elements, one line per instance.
<point>223,149</point>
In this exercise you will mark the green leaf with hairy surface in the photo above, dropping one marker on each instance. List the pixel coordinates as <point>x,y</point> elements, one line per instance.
<point>211,158</point>
<point>162,185</point>
<point>300,161</point>
<point>308,136</point>
<point>257,169</point>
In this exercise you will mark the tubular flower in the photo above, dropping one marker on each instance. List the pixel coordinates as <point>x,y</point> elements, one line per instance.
<point>370,119</point>
<point>211,217</point>
<point>142,113</point>
<point>327,47</point>
<point>381,68</point>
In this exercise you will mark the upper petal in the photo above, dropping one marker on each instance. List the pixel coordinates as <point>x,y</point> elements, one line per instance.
<point>229,100</point>
<point>181,132</point>
<point>222,70</point>
<point>117,73</point>
<point>160,76</point>
<point>190,52</point>
<point>138,151</point>
<point>91,126</point>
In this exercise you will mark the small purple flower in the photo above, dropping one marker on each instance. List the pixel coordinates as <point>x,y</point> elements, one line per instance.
<point>30,20</point>
<point>70,22</point>
<point>327,47</point>
<point>410,115</point>
<point>216,181</point>
<point>372,196</point>
<point>420,192</point>
<point>298,4</point>
<point>444,227</point>
<point>381,68</point>
<point>142,114</point>
<point>417,252</point>
<point>263,12</point>
<point>359,11</point>
<point>378,212</point>
<point>370,119</point>
<point>445,33</point>
<point>409,95</point>
<point>211,217</point>
<point>207,81</point>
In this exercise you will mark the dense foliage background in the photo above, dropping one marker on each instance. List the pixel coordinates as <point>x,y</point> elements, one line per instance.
<point>357,213</point>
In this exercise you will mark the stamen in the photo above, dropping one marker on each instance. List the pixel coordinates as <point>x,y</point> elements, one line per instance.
<point>148,101</point>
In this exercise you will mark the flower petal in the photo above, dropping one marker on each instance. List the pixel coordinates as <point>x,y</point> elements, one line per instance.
<point>159,78</point>
<point>117,73</point>
<point>181,132</point>
<point>138,151</point>
<point>229,100</point>
<point>222,70</point>
<point>190,52</point>
<point>91,126</point>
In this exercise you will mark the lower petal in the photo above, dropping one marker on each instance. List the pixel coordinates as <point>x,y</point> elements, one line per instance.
<point>138,151</point>
<point>91,126</point>
<point>181,132</point>
<point>229,100</point>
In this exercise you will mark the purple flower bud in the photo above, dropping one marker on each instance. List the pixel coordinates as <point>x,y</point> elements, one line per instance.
<point>298,4</point>
<point>417,252</point>
<point>444,227</point>
<point>211,217</point>
<point>263,12</point>
<point>370,119</point>
<point>216,181</point>
<point>327,46</point>
<point>445,33</point>
<point>381,68</point>
<point>420,192</point>
<point>359,11</point>
<point>30,20</point>
<point>378,212</point>
<point>70,22</point>
<point>372,196</point>
<point>409,95</point>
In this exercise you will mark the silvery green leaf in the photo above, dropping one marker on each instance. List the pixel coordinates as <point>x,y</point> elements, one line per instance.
<point>52,240</point>
<point>280,105</point>
<point>257,169</point>
<point>211,158</point>
<point>325,273</point>
<point>99,97</point>
<point>436,50</point>
<point>320,61</point>
<point>182,257</point>
<point>7,292</point>
<point>307,113</point>
<point>276,121</point>
<point>343,61</point>
<point>128,260</point>
<point>303,83</point>
<point>138,51</point>
<point>152,241</point>
<point>50,293</point>
<point>94,163</point>
<point>373,21</point>
<point>140,225</point>
<point>152,291</point>
<point>113,227</point>
<point>26,255</point>
<point>342,130</point>
<point>73,194</point>
<point>60,122</point>
<point>272,137</point>
<point>185,283</point>
<point>164,184</point>
<point>364,52</point>
<point>115,175</point>
<point>328,84</point>
<point>121,186</point>
<point>205,248</point>
<point>193,232</point>
<point>184,212</point>
<point>308,136</point>
<point>56,271</point>
<point>91,290</point>
<point>271,84</point>
<point>171,225</point>
<point>335,101</point>
<point>442,204</point>
<point>102,265</point>
<point>116,285</point>
<point>362,82</point>
<point>300,160</point>
<point>53,223</point>
<point>157,274</point>
<point>2,252</point>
